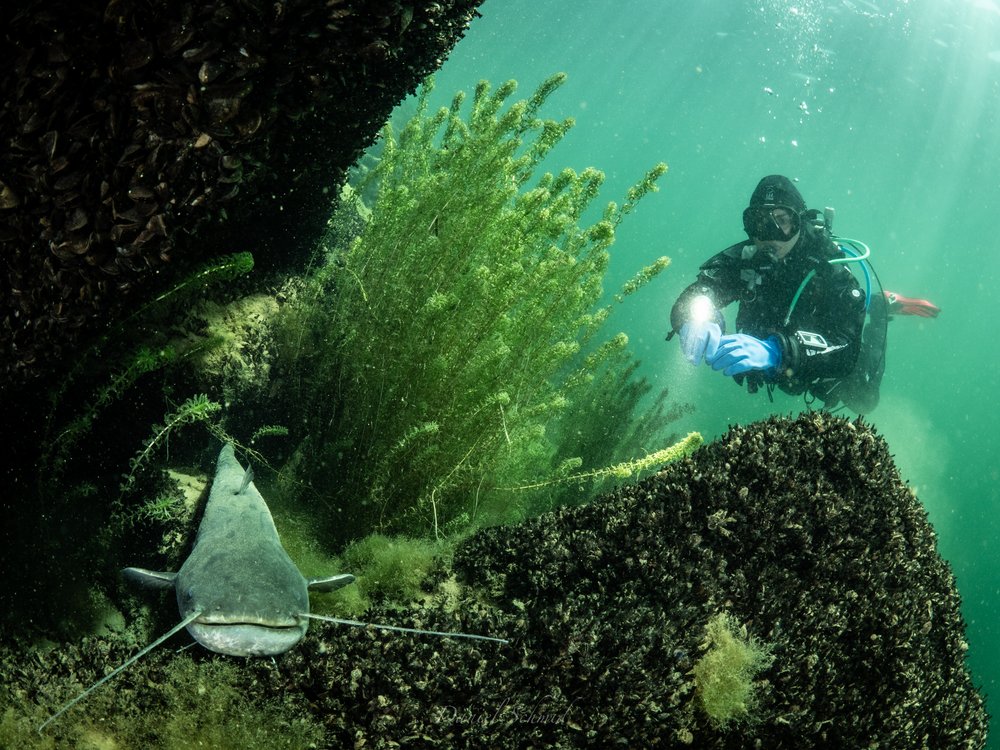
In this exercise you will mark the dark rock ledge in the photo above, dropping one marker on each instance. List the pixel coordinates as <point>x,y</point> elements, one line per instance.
<point>140,136</point>
<point>801,529</point>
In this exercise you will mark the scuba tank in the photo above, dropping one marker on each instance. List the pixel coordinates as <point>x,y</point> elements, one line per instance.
<point>860,390</point>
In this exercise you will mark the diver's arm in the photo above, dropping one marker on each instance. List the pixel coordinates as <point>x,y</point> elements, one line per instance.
<point>718,280</point>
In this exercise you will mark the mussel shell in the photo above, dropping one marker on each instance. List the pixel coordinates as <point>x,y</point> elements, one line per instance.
<point>174,38</point>
<point>77,220</point>
<point>8,198</point>
<point>48,142</point>
<point>136,54</point>
<point>139,192</point>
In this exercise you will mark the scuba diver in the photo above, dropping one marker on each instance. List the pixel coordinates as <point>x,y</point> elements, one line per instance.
<point>804,324</point>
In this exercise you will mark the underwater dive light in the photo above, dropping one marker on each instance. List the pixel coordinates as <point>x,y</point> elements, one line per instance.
<point>702,309</point>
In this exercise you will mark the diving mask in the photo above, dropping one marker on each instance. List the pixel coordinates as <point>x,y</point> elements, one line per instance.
<point>771,222</point>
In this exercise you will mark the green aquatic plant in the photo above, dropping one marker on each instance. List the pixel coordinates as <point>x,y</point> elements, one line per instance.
<point>724,674</point>
<point>118,360</point>
<point>164,508</point>
<point>58,448</point>
<point>388,569</point>
<point>198,408</point>
<point>225,268</point>
<point>425,358</point>
<point>144,357</point>
<point>625,469</point>
<point>270,430</point>
<point>613,415</point>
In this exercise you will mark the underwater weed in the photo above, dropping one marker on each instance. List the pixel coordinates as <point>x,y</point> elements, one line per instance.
<point>724,674</point>
<point>118,361</point>
<point>425,359</point>
<point>198,408</point>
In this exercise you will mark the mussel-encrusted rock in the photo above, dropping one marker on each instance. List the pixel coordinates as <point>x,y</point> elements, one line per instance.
<point>128,125</point>
<point>800,530</point>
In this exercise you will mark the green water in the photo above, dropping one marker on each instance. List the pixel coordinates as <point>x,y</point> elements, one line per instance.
<point>887,111</point>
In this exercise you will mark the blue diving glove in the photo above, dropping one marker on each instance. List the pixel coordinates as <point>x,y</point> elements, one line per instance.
<point>699,340</point>
<point>739,353</point>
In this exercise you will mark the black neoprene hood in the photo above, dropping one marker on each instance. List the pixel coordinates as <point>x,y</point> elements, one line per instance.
<point>778,190</point>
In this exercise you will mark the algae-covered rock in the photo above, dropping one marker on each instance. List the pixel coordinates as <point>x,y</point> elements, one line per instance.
<point>800,531</point>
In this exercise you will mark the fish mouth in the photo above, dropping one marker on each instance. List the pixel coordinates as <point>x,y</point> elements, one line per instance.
<point>247,638</point>
<point>275,620</point>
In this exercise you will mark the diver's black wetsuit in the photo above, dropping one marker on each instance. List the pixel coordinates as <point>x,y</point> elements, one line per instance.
<point>830,305</point>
